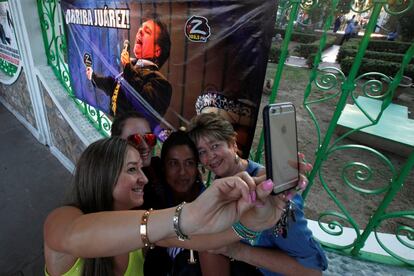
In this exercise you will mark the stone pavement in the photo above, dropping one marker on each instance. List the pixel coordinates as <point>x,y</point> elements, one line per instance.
<point>33,182</point>
<point>342,265</point>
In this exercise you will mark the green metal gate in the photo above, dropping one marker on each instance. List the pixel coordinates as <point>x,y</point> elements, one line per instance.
<point>326,79</point>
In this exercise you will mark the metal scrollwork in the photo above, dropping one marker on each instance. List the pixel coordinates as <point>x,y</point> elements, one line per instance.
<point>404,235</point>
<point>329,78</point>
<point>335,228</point>
<point>362,172</point>
<point>361,6</point>
<point>65,78</point>
<point>92,112</point>
<point>105,123</point>
<point>409,231</point>
<point>375,85</point>
<point>398,7</point>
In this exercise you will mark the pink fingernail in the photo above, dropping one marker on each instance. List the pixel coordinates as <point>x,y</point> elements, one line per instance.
<point>289,196</point>
<point>253,196</point>
<point>268,185</point>
<point>302,184</point>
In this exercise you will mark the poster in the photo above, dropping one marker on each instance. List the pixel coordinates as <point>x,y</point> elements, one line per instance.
<point>170,60</point>
<point>9,50</point>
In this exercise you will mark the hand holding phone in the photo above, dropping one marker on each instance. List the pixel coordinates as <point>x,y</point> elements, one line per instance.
<point>281,148</point>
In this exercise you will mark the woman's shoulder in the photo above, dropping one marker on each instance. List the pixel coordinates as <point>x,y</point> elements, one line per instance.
<point>61,215</point>
<point>53,230</point>
<point>254,168</point>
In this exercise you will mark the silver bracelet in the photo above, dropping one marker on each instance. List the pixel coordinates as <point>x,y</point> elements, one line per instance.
<point>176,223</point>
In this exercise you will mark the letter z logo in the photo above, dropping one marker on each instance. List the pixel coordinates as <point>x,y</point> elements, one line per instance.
<point>197,29</point>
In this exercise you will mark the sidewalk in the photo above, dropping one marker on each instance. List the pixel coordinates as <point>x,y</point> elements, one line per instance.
<point>33,182</point>
<point>328,59</point>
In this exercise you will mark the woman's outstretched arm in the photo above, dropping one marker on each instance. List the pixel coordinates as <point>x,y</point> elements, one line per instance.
<point>67,230</point>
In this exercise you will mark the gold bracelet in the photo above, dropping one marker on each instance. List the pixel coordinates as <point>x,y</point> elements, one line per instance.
<point>143,230</point>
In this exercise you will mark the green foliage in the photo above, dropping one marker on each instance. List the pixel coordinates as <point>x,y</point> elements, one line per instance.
<point>371,65</point>
<point>380,46</point>
<point>305,50</point>
<point>275,52</point>
<point>388,46</point>
<point>406,25</point>
<point>308,51</point>
<point>402,22</point>
<point>321,12</point>
<point>299,36</point>
<point>351,52</point>
<point>344,6</point>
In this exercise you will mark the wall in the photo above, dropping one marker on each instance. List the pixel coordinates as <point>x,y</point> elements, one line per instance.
<point>37,98</point>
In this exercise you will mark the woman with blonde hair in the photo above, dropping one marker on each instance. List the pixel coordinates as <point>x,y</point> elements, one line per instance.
<point>272,251</point>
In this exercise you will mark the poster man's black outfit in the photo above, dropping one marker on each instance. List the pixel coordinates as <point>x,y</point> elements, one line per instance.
<point>145,79</point>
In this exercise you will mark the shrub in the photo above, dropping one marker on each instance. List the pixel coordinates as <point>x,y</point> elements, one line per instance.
<point>380,46</point>
<point>309,51</point>
<point>388,46</point>
<point>274,54</point>
<point>299,36</point>
<point>305,50</point>
<point>371,65</point>
<point>351,52</point>
<point>304,38</point>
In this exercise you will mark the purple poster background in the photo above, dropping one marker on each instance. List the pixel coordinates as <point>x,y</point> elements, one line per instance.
<point>216,63</point>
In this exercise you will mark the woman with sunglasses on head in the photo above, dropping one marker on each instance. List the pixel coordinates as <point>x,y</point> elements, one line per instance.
<point>131,123</point>
<point>134,127</point>
<point>298,253</point>
<point>97,233</point>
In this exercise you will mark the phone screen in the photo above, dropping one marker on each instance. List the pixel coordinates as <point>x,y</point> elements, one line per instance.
<point>281,146</point>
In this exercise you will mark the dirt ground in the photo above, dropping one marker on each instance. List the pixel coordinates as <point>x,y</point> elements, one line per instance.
<point>360,206</point>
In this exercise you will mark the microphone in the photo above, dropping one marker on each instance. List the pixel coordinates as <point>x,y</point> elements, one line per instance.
<point>126,45</point>
<point>87,59</point>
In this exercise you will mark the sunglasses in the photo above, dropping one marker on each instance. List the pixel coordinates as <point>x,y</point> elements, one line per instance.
<point>149,138</point>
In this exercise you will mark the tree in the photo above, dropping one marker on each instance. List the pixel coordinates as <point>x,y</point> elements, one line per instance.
<point>402,22</point>
<point>320,12</point>
<point>344,6</point>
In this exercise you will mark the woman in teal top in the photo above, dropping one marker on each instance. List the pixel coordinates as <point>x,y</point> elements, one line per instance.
<point>99,234</point>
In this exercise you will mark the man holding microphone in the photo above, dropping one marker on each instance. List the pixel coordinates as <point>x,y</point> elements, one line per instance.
<point>151,49</point>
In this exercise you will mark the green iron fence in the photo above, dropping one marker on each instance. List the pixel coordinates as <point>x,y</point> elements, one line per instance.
<point>330,78</point>
<point>323,79</point>
<point>55,45</point>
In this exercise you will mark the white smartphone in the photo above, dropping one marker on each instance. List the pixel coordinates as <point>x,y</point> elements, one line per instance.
<point>281,146</point>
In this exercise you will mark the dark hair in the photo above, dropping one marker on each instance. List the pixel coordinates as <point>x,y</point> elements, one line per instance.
<point>163,40</point>
<point>119,122</point>
<point>96,174</point>
<point>177,138</point>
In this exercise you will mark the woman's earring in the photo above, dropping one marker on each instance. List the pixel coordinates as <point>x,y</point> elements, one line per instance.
<point>236,159</point>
